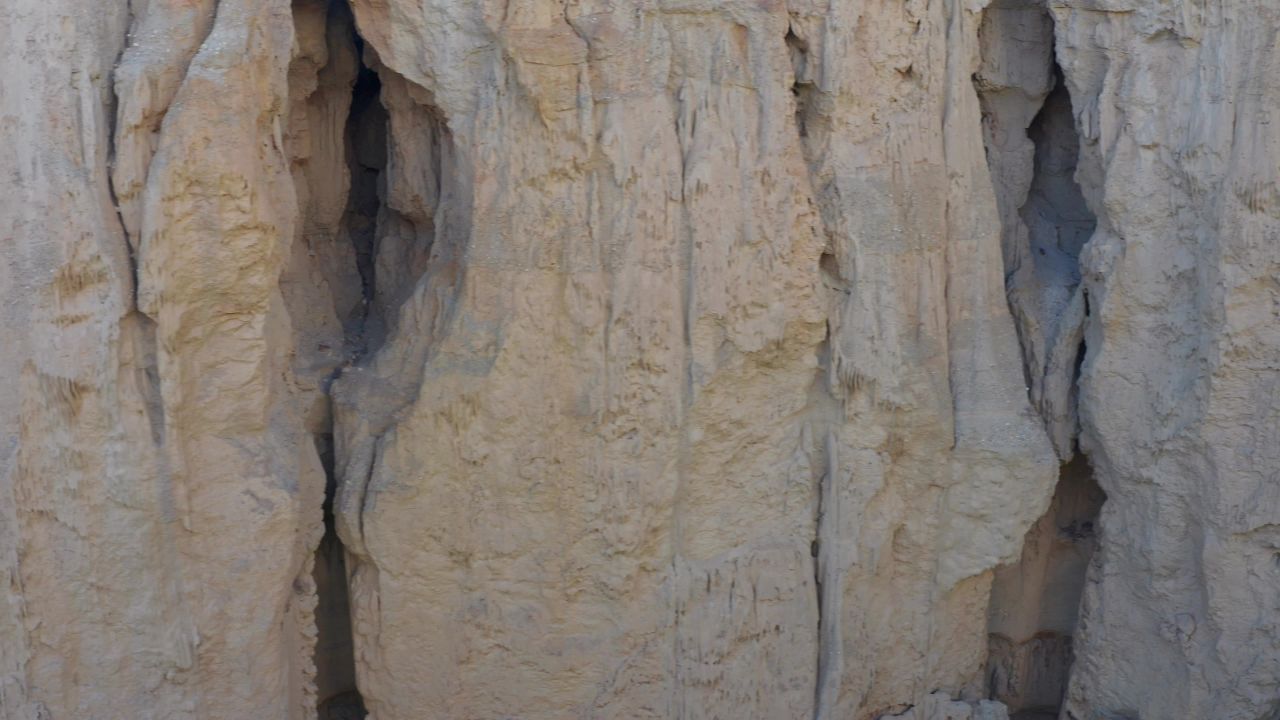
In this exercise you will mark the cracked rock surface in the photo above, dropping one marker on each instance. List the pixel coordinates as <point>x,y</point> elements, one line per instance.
<point>831,359</point>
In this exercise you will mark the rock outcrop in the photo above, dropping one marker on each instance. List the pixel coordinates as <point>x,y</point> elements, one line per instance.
<point>672,358</point>
<point>1174,106</point>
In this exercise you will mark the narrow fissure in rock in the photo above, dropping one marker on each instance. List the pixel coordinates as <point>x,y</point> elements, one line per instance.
<point>827,408</point>
<point>365,139</point>
<point>1058,219</point>
<point>334,655</point>
<point>1032,150</point>
<point>823,548</point>
<point>802,86</point>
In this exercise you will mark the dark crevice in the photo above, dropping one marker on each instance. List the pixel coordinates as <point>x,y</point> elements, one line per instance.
<point>1035,602</point>
<point>823,548</point>
<point>1044,281</point>
<point>801,86</point>
<point>826,585</point>
<point>113,122</point>
<point>365,139</point>
<point>1058,219</point>
<point>335,655</point>
<point>1077,371</point>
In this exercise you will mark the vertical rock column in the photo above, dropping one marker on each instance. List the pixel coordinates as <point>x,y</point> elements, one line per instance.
<point>937,464</point>
<point>160,496</point>
<point>1176,107</point>
<point>218,219</point>
<point>77,468</point>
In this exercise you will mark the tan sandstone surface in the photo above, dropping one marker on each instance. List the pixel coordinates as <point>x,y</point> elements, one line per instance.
<point>484,359</point>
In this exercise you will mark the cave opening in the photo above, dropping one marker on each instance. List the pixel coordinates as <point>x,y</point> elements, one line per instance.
<point>1033,149</point>
<point>365,146</point>
<point>1058,219</point>
<point>1035,602</point>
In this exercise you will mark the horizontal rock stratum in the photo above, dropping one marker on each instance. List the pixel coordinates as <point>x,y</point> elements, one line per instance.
<point>692,359</point>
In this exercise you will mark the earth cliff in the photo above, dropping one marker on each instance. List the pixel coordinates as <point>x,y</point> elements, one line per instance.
<point>834,359</point>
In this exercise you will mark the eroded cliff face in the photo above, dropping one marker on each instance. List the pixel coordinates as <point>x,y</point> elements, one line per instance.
<point>1178,411</point>
<point>525,358</point>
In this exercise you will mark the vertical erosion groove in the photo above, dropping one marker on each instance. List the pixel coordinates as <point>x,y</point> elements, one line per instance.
<point>1032,149</point>
<point>391,273</point>
<point>366,142</point>
<point>335,659</point>
<point>826,411</point>
<point>366,149</point>
<point>363,138</point>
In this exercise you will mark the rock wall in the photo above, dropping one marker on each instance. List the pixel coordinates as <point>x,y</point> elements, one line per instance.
<point>1174,105</point>
<point>672,358</point>
<point>160,491</point>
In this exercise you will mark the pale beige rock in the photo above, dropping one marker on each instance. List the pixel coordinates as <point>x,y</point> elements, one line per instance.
<point>75,536</point>
<point>667,358</point>
<point>161,496</point>
<point>599,495</point>
<point>1175,105</point>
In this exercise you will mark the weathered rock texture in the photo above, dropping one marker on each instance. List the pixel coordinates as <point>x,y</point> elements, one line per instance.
<point>666,358</point>
<point>1175,106</point>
